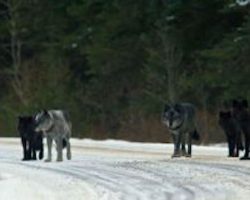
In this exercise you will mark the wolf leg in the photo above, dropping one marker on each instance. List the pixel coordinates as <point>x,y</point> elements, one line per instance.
<point>59,147</point>
<point>176,139</point>
<point>234,150</point>
<point>230,147</point>
<point>33,154</point>
<point>24,143</point>
<point>68,149</point>
<point>41,152</point>
<point>29,149</point>
<point>183,150</point>
<point>49,144</point>
<point>238,144</point>
<point>246,155</point>
<point>189,154</point>
<point>40,146</point>
<point>33,149</point>
<point>183,145</point>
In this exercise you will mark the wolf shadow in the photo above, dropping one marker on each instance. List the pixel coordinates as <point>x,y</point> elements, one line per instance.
<point>32,141</point>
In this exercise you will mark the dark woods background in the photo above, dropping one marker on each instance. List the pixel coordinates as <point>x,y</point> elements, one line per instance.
<point>113,64</point>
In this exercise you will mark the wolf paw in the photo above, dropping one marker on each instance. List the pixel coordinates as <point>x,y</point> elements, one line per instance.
<point>47,160</point>
<point>59,160</point>
<point>69,156</point>
<point>40,156</point>
<point>244,158</point>
<point>176,155</point>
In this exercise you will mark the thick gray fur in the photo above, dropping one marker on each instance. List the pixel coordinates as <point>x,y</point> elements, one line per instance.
<point>56,125</point>
<point>180,120</point>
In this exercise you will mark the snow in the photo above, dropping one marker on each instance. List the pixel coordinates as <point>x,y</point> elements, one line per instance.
<point>242,2</point>
<point>120,170</point>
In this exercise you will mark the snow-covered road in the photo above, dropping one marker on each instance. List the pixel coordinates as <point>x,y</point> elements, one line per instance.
<point>112,170</point>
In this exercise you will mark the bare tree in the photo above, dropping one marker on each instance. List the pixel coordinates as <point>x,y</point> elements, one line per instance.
<point>14,47</point>
<point>172,57</point>
<point>163,68</point>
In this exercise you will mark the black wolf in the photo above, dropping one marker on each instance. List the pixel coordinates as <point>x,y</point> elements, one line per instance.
<point>242,116</point>
<point>55,124</point>
<point>180,120</point>
<point>232,131</point>
<point>31,141</point>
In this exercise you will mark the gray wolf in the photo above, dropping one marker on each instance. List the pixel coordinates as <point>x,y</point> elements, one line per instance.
<point>232,131</point>
<point>55,125</point>
<point>242,116</point>
<point>31,140</point>
<point>180,120</point>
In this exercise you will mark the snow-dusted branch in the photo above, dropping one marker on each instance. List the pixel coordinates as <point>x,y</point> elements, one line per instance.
<point>242,2</point>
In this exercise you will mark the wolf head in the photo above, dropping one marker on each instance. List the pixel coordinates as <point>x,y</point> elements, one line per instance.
<point>225,117</point>
<point>43,121</point>
<point>173,116</point>
<point>240,109</point>
<point>240,104</point>
<point>25,125</point>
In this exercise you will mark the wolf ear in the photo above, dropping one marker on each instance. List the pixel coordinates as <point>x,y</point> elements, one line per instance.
<point>244,103</point>
<point>235,103</point>
<point>178,107</point>
<point>45,111</point>
<point>166,107</point>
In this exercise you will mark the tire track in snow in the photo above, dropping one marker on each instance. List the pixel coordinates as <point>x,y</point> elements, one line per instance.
<point>137,176</point>
<point>114,177</point>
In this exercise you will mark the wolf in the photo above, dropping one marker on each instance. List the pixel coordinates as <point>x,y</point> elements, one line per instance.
<point>180,120</point>
<point>232,131</point>
<point>31,140</point>
<point>55,125</point>
<point>242,116</point>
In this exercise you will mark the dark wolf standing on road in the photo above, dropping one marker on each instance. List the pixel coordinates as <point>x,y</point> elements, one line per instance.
<point>55,125</point>
<point>180,120</point>
<point>31,140</point>
<point>232,131</point>
<point>242,115</point>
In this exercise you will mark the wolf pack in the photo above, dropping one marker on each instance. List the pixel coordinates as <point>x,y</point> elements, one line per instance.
<point>233,118</point>
<point>55,125</point>
<point>179,118</point>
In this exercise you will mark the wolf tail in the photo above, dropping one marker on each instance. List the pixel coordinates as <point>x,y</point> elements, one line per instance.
<point>64,143</point>
<point>196,135</point>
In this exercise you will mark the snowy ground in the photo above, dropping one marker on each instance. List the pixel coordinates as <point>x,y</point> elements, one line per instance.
<point>111,170</point>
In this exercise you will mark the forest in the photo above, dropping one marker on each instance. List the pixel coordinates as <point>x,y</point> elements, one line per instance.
<point>114,64</point>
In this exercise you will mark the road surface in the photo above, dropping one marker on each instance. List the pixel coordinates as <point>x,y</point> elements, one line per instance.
<point>117,170</point>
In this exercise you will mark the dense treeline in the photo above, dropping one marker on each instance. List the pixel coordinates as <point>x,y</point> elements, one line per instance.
<point>113,64</point>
